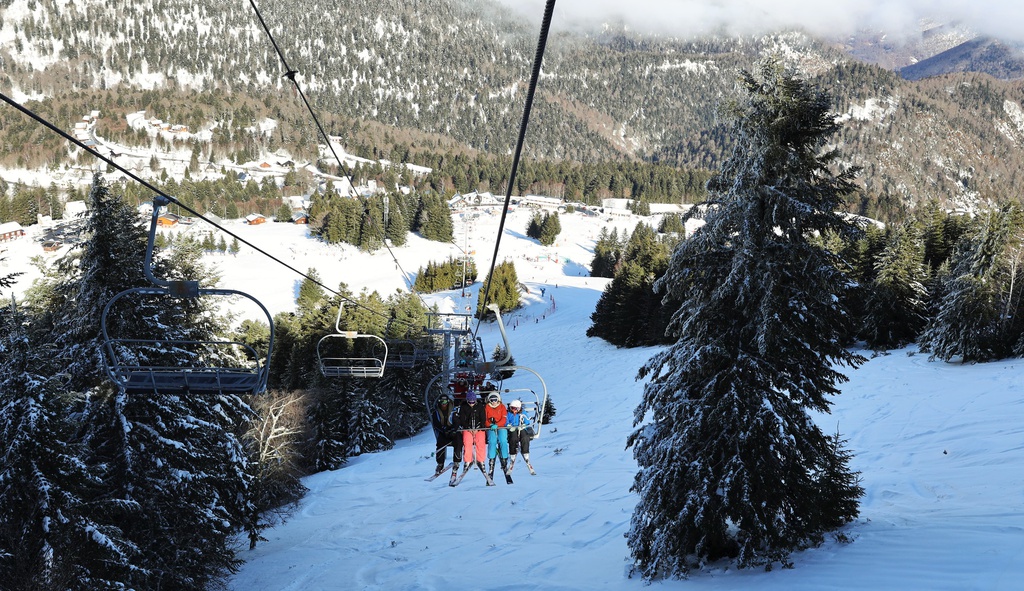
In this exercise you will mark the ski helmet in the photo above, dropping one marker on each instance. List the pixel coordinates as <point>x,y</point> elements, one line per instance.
<point>516,404</point>
<point>444,400</point>
<point>493,397</point>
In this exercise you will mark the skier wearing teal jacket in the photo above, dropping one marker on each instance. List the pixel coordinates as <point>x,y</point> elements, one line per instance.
<point>497,435</point>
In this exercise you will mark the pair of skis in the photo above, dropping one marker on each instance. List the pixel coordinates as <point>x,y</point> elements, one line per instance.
<point>457,477</point>
<point>441,471</point>
<point>529,466</point>
<point>465,470</point>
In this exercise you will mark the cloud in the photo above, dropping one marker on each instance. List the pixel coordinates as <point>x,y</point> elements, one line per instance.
<point>896,18</point>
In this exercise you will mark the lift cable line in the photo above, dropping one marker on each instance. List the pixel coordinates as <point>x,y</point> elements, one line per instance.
<point>534,77</point>
<point>110,162</point>
<point>290,74</point>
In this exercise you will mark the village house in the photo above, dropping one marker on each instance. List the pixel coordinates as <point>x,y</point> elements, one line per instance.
<point>74,209</point>
<point>254,218</point>
<point>11,231</point>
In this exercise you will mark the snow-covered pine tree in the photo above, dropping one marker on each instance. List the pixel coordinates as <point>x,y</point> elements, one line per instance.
<point>172,469</point>
<point>499,375</point>
<point>326,444</point>
<point>72,297</point>
<point>629,313</point>
<point>49,536</point>
<point>367,424</point>
<point>399,396</point>
<point>730,459</point>
<point>7,280</point>
<point>607,254</point>
<point>977,318</point>
<point>896,300</point>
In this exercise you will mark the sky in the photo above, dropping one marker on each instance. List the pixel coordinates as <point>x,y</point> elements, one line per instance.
<point>898,18</point>
<point>939,446</point>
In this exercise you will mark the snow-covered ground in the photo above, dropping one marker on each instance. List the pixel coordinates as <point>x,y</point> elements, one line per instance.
<point>940,447</point>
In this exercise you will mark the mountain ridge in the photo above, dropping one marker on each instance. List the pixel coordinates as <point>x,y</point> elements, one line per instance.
<point>443,75</point>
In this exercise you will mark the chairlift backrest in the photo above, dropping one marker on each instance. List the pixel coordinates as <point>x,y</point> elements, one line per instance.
<point>334,365</point>
<point>188,366</point>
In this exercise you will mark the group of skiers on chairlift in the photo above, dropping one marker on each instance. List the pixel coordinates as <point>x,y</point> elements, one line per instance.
<point>476,428</point>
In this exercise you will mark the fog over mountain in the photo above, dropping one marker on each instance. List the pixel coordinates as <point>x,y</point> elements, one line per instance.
<point>898,20</point>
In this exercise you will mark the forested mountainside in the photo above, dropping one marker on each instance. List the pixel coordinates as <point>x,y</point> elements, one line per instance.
<point>450,76</point>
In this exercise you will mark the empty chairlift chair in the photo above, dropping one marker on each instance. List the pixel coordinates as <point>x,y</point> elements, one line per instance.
<point>166,362</point>
<point>338,354</point>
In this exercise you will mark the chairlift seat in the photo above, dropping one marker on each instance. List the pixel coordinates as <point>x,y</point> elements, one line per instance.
<point>199,381</point>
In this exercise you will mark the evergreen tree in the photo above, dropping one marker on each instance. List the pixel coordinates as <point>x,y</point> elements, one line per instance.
<point>328,433</point>
<point>607,252</point>
<point>502,374</point>
<point>977,318</point>
<point>550,228</point>
<point>502,289</point>
<point>434,220</point>
<point>629,313</point>
<point>731,462</point>
<point>397,230</point>
<point>535,226</point>
<point>49,536</point>
<point>367,425</point>
<point>172,468</point>
<point>672,224</point>
<point>8,280</point>
<point>896,300</point>
<point>310,293</point>
<point>72,298</point>
<point>283,213</point>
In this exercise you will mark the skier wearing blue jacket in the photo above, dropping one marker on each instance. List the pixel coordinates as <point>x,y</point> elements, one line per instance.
<point>520,432</point>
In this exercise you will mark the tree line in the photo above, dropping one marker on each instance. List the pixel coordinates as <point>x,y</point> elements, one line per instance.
<point>101,489</point>
<point>947,281</point>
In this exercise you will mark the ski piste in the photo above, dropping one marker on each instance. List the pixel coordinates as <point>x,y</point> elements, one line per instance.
<point>440,472</point>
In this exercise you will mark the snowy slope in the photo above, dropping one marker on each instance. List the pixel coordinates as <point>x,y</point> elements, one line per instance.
<point>940,447</point>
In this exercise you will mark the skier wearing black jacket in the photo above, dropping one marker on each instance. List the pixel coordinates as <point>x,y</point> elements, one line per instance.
<point>442,419</point>
<point>471,419</point>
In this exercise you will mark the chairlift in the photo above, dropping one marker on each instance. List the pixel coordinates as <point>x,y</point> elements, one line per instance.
<point>165,364</point>
<point>334,363</point>
<point>404,352</point>
<point>458,378</point>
